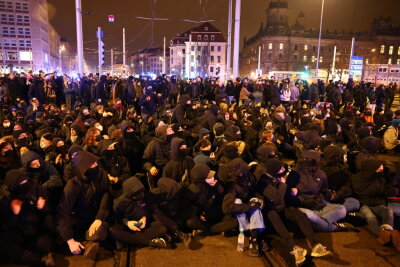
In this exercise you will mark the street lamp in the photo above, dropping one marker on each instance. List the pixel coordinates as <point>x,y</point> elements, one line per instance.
<point>60,50</point>
<point>319,39</point>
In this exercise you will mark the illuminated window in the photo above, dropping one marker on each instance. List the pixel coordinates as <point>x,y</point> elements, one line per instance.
<point>367,61</point>
<point>320,59</point>
<point>313,59</point>
<point>391,50</point>
<point>25,55</point>
<point>270,46</point>
<point>305,59</point>
<point>398,61</point>
<point>12,56</point>
<point>305,47</point>
<point>281,46</point>
<point>382,49</point>
<point>390,61</point>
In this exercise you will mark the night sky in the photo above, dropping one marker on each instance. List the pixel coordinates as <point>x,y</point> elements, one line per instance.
<point>339,14</point>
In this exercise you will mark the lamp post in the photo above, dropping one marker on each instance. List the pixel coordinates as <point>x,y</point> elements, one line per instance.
<point>319,39</point>
<point>60,50</point>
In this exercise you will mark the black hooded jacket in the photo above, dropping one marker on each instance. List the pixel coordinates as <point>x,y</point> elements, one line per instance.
<point>131,147</point>
<point>157,151</point>
<point>86,197</point>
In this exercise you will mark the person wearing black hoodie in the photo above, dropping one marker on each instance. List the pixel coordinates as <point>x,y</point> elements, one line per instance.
<point>180,165</point>
<point>371,187</point>
<point>85,206</point>
<point>135,210</point>
<point>24,239</point>
<point>114,165</point>
<point>206,194</point>
<point>175,206</point>
<point>242,201</point>
<point>179,113</point>
<point>157,153</point>
<point>272,186</point>
<point>131,147</point>
<point>9,158</point>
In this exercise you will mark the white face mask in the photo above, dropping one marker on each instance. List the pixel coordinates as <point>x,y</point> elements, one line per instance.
<point>100,128</point>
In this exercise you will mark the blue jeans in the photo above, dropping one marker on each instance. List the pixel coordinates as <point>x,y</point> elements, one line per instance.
<point>372,214</point>
<point>395,207</point>
<point>351,204</point>
<point>251,220</point>
<point>322,220</point>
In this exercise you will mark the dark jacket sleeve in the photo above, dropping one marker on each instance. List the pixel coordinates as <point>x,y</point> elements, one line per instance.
<point>64,219</point>
<point>105,207</point>
<point>230,208</point>
<point>54,180</point>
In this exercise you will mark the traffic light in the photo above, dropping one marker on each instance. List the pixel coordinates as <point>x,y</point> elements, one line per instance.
<point>101,53</point>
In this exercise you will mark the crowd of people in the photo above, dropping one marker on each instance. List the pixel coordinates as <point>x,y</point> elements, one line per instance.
<point>97,160</point>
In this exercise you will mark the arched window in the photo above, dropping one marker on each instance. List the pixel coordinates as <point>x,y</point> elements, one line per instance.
<point>391,50</point>
<point>382,49</point>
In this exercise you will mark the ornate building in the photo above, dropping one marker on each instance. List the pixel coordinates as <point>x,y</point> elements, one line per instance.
<point>287,47</point>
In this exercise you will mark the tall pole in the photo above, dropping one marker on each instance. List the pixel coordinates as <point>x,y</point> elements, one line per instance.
<point>30,58</point>
<point>229,45</point>
<point>79,35</point>
<point>353,40</point>
<point>112,61</point>
<point>189,59</point>
<point>123,47</point>
<point>164,69</point>
<point>259,62</point>
<point>319,39</point>
<point>100,49</point>
<point>334,62</point>
<point>236,40</point>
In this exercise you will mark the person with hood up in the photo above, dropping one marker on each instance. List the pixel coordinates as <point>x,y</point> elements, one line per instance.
<point>242,201</point>
<point>175,205</point>
<point>210,117</point>
<point>180,165</point>
<point>391,136</point>
<point>371,186</point>
<point>9,158</point>
<point>101,90</point>
<point>205,155</point>
<point>179,113</point>
<point>24,239</point>
<point>206,194</point>
<point>264,153</point>
<point>68,169</point>
<point>135,210</point>
<point>148,102</point>
<point>369,150</point>
<point>156,155</point>
<point>307,186</point>
<point>131,147</point>
<point>339,179</point>
<point>85,206</point>
<point>272,186</point>
<point>115,166</point>
<point>44,174</point>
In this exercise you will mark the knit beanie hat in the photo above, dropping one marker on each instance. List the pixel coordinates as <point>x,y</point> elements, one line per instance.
<point>370,144</point>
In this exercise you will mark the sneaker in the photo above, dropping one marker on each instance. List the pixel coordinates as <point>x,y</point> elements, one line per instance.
<point>384,236</point>
<point>47,260</point>
<point>253,248</point>
<point>240,245</point>
<point>396,239</point>
<point>91,250</point>
<point>319,251</point>
<point>299,254</point>
<point>158,243</point>
<point>184,238</point>
<point>344,227</point>
<point>356,218</point>
<point>264,245</point>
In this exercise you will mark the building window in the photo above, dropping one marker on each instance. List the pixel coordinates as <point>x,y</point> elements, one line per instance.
<point>192,48</point>
<point>6,42</point>
<point>1,55</point>
<point>281,46</point>
<point>270,46</point>
<point>21,43</point>
<point>198,37</point>
<point>212,48</point>
<point>219,59</point>
<point>390,61</point>
<point>314,48</point>
<point>13,43</point>
<point>219,48</point>
<point>172,61</point>
<point>12,30</point>
<point>205,37</point>
<point>269,56</point>
<point>313,59</point>
<point>212,59</point>
<point>28,43</point>
<point>25,5</point>
<point>11,18</point>
<point>391,50</point>
<point>5,30</point>
<point>211,69</point>
<point>18,7</point>
<point>20,19</point>
<point>26,19</point>
<point>2,4</point>
<point>367,61</point>
<point>212,37</point>
<point>205,28</point>
<point>305,58</point>
<point>280,56</point>
<point>9,5</point>
<point>12,56</point>
<point>3,17</point>
<point>21,31</point>
<point>320,59</point>
<point>398,61</point>
<point>305,47</point>
<point>295,47</point>
<point>295,57</point>
<point>198,48</point>
<point>382,49</point>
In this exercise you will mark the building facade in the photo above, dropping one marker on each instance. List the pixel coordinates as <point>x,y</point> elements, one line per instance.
<point>27,40</point>
<point>287,47</point>
<point>150,61</point>
<point>200,51</point>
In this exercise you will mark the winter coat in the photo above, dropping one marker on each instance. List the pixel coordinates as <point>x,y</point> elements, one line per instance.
<point>244,94</point>
<point>86,198</point>
<point>157,151</point>
<point>131,147</point>
<point>390,138</point>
